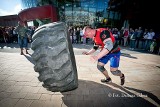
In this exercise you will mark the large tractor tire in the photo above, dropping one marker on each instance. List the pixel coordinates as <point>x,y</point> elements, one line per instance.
<point>54,58</point>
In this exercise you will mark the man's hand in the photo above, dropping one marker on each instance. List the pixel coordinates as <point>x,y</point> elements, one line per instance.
<point>85,53</point>
<point>89,52</point>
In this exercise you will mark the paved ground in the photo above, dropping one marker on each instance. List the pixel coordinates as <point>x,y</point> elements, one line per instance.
<point>19,86</point>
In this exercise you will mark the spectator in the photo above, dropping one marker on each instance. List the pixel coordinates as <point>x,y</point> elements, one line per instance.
<point>149,38</point>
<point>121,35</point>
<point>133,39</point>
<point>23,34</point>
<point>126,35</point>
<point>139,36</point>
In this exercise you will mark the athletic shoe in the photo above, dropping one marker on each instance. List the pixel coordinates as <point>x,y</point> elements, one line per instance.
<point>122,79</point>
<point>106,80</point>
<point>27,52</point>
<point>21,53</point>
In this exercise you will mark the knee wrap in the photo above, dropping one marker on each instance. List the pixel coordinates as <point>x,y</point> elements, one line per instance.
<point>101,68</point>
<point>117,72</point>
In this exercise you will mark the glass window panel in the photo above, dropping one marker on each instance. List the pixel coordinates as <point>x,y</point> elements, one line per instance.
<point>100,4</point>
<point>105,3</point>
<point>111,15</point>
<point>68,5</point>
<point>92,3</point>
<point>116,15</point>
<point>85,9</point>
<point>92,9</point>
<point>85,4</point>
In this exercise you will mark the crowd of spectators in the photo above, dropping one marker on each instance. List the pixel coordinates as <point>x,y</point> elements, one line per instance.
<point>138,38</point>
<point>8,35</point>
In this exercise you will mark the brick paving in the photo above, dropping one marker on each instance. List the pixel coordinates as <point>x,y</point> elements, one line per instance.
<point>20,87</point>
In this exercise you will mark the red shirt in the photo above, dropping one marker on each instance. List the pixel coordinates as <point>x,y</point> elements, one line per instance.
<point>101,35</point>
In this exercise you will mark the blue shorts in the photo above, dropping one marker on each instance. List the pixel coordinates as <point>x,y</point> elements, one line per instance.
<point>113,57</point>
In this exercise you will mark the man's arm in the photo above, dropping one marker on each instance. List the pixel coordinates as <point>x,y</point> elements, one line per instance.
<point>95,47</point>
<point>107,48</point>
<point>89,52</point>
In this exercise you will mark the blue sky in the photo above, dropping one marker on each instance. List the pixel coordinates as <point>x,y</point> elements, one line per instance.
<point>10,7</point>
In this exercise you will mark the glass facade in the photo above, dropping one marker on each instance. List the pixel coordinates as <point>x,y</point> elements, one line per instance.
<point>29,3</point>
<point>85,12</point>
<point>79,12</point>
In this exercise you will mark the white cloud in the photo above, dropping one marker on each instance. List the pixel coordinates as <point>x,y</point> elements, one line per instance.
<point>16,10</point>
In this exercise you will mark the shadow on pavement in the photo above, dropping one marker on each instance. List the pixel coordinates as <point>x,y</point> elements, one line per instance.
<point>29,58</point>
<point>128,55</point>
<point>150,95</point>
<point>92,94</point>
<point>137,51</point>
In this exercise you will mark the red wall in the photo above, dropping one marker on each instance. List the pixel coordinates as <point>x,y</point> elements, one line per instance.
<point>41,12</point>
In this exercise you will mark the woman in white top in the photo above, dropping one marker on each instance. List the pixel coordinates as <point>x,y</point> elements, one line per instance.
<point>149,36</point>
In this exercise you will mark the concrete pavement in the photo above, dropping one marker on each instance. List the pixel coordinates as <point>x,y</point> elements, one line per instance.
<point>19,86</point>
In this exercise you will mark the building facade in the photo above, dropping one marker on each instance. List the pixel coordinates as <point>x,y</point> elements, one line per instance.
<point>80,12</point>
<point>10,20</point>
<point>137,13</point>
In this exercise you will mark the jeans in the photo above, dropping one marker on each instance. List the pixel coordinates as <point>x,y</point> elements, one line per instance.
<point>148,44</point>
<point>22,41</point>
<point>132,43</point>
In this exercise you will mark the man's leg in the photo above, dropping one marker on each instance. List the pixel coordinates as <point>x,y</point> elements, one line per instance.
<point>117,72</point>
<point>25,41</point>
<point>21,51</point>
<point>20,42</point>
<point>100,67</point>
<point>114,64</point>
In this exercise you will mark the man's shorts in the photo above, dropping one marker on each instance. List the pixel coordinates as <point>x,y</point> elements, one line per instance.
<point>114,59</point>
